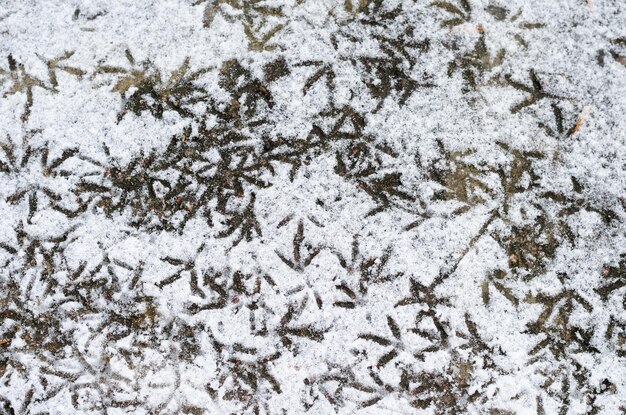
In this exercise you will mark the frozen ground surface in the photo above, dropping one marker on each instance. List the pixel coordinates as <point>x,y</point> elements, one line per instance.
<point>312,207</point>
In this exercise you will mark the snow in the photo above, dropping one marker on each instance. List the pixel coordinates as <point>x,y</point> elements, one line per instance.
<point>302,206</point>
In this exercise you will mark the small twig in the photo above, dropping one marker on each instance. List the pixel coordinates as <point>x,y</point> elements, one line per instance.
<point>581,119</point>
<point>445,274</point>
<point>4,342</point>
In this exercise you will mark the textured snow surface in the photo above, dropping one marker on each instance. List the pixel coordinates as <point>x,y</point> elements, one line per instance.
<point>312,207</point>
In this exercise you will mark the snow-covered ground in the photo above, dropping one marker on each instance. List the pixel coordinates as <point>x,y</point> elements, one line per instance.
<point>312,207</point>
